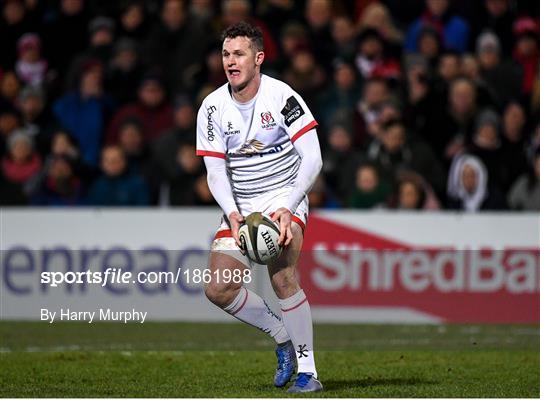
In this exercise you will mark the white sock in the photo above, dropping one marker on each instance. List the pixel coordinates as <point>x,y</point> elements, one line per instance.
<point>250,308</point>
<point>297,319</point>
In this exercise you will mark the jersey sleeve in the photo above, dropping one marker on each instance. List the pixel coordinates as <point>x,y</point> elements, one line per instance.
<point>209,136</point>
<point>296,116</point>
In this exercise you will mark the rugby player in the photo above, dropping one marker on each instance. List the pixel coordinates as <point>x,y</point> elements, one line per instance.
<point>261,152</point>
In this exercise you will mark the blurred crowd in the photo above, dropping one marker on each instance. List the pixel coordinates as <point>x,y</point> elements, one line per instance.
<point>421,104</point>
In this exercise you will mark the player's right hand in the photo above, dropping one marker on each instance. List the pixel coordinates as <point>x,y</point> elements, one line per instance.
<point>236,220</point>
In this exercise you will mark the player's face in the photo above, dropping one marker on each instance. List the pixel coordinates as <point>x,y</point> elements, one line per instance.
<point>240,61</point>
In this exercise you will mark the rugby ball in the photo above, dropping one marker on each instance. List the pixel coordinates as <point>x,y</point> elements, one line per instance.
<point>259,239</point>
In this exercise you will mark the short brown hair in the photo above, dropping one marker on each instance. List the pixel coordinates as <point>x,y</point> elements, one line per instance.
<point>253,33</point>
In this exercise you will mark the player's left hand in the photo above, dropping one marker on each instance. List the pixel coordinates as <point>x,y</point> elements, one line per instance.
<point>283,216</point>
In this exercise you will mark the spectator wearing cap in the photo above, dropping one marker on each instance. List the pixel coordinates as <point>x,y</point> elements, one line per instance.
<point>170,44</point>
<point>152,109</point>
<point>166,147</point>
<point>30,66</point>
<point>527,50</point>
<point>84,111</point>
<point>486,144</point>
<point>13,24</point>
<point>453,30</point>
<point>502,77</point>
<point>498,17</point>
<point>101,37</point>
<point>123,70</point>
<point>35,116</point>
<point>117,186</point>
<point>21,162</point>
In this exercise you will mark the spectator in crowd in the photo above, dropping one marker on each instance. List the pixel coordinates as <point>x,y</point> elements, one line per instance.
<point>10,87</point>
<point>165,149</point>
<point>13,24</point>
<point>370,189</point>
<point>513,143</point>
<point>371,60</point>
<point>117,186</point>
<point>84,111</point>
<point>318,15</point>
<point>185,184</point>
<point>375,94</point>
<point>413,193</point>
<point>527,50</point>
<point>453,29</point>
<point>430,46</point>
<point>503,78</point>
<point>123,70</point>
<point>496,16</point>
<point>293,36</point>
<point>377,16</point>
<point>35,116</point>
<point>101,38</point>
<point>10,120</point>
<point>69,26</point>
<point>305,74</point>
<point>133,21</point>
<point>340,160</point>
<point>152,109</point>
<point>321,196</point>
<point>525,193</point>
<point>131,140</point>
<point>30,67</point>
<point>341,95</point>
<point>171,44</point>
<point>392,152</point>
<point>486,144</point>
<point>21,162</point>
<point>344,36</point>
<point>11,194</point>
<point>469,186</point>
<point>58,186</point>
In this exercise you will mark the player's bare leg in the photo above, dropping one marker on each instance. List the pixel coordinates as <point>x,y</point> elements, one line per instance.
<point>296,312</point>
<point>236,299</point>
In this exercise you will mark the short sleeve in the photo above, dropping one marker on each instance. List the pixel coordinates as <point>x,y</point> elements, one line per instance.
<point>209,137</point>
<point>296,116</point>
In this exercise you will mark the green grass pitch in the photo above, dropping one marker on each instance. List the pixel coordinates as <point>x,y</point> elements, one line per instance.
<point>232,360</point>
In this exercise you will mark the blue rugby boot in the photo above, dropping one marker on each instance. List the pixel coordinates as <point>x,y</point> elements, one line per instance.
<point>286,357</point>
<point>305,383</point>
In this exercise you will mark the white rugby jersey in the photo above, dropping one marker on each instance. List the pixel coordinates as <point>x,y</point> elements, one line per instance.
<point>256,138</point>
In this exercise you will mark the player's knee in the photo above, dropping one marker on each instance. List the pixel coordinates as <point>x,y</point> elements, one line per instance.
<point>285,283</point>
<point>220,294</point>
